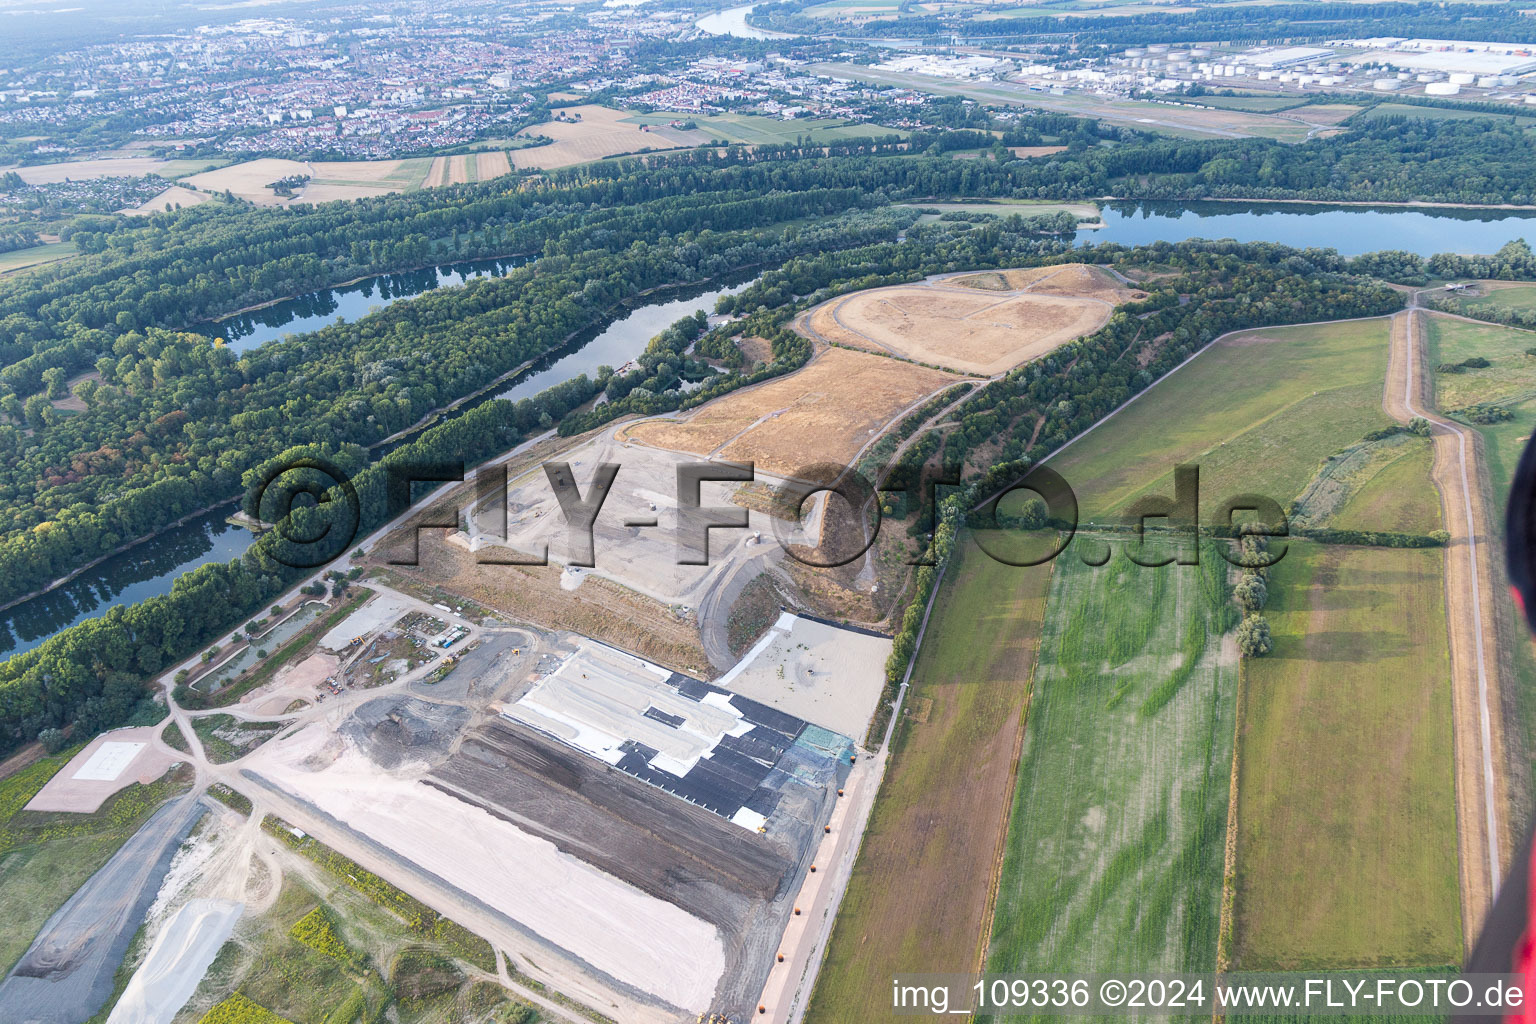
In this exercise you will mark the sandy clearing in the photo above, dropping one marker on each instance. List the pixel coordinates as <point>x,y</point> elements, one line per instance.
<point>1481,797</point>
<point>176,195</point>
<point>825,412</point>
<point>77,788</point>
<point>826,675</point>
<point>176,962</point>
<point>983,323</point>
<point>637,939</point>
<point>380,611</point>
<point>291,683</point>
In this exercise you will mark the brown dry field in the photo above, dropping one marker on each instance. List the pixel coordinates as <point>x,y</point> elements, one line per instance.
<point>826,412</point>
<point>438,174</point>
<point>493,165</point>
<point>921,890</point>
<point>1028,151</point>
<point>249,180</point>
<point>598,134</point>
<point>1323,113</point>
<point>175,195</point>
<point>79,170</point>
<point>955,324</point>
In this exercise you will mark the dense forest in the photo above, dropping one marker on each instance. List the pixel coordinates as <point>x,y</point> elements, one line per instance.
<point>175,421</point>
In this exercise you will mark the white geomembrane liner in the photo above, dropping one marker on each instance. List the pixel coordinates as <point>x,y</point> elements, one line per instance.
<point>108,762</point>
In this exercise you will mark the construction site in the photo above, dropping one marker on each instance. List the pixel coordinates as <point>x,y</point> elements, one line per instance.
<point>635,836</point>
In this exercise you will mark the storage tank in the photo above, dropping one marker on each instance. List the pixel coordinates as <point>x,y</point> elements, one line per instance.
<point>1200,51</point>
<point>1487,82</point>
<point>1265,76</point>
<point>1441,89</point>
<point>1530,99</point>
<point>1427,76</point>
<point>1135,51</point>
<point>1507,80</point>
<point>1158,48</point>
<point>1463,78</point>
<point>1386,85</point>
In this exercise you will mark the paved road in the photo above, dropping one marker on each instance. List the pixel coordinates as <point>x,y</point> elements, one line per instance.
<point>67,973</point>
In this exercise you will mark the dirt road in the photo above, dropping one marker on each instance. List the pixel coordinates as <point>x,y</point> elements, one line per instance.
<point>1481,796</point>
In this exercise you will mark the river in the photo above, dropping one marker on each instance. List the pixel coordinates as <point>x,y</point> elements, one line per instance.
<point>733,22</point>
<point>151,567</point>
<point>1351,230</point>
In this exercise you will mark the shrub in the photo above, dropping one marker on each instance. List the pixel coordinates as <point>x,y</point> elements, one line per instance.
<point>1253,638</point>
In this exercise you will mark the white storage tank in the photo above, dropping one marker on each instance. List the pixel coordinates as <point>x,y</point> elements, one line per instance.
<point>1463,78</point>
<point>1427,76</point>
<point>1386,85</point>
<point>1530,99</point>
<point>1200,51</point>
<point>1265,76</point>
<point>1507,80</point>
<point>1135,51</point>
<point>1158,48</point>
<point>1487,82</point>
<point>1441,89</point>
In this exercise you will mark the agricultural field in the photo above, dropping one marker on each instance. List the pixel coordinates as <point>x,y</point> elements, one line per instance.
<point>1115,843</point>
<point>827,411</point>
<point>347,179</point>
<point>922,881</point>
<point>955,323</point>
<point>1257,412</point>
<point>111,167</point>
<point>599,132</point>
<point>1344,860</point>
<point>755,129</point>
<point>46,857</point>
<point>37,255</point>
<point>174,197</point>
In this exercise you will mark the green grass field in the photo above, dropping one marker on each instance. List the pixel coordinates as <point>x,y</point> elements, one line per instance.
<point>20,259</point>
<point>1257,103</point>
<point>1499,295</point>
<point>919,891</point>
<point>1346,850</point>
<point>1511,381</point>
<point>1399,497</point>
<point>754,129</point>
<point>1257,412</point>
<point>1115,843</point>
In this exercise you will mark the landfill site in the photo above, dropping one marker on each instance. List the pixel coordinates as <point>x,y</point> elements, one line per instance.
<point>628,835</point>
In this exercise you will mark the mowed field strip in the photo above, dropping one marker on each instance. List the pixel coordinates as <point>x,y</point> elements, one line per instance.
<point>920,892</point>
<point>984,323</point>
<point>1346,831</point>
<point>1116,837</point>
<point>825,412</point>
